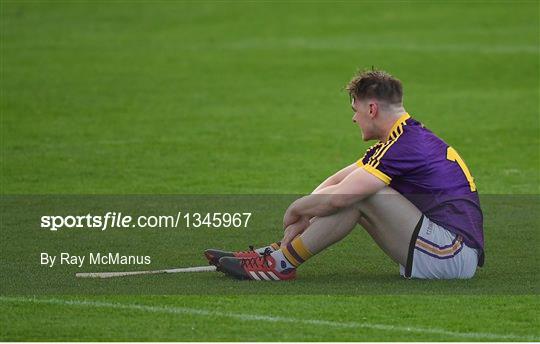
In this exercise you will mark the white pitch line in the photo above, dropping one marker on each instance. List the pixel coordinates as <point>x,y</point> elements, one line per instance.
<point>278,319</point>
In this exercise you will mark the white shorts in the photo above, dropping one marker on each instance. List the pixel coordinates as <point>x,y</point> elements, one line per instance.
<point>436,253</point>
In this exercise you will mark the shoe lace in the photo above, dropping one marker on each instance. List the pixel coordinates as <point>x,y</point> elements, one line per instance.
<point>255,262</point>
<point>251,249</point>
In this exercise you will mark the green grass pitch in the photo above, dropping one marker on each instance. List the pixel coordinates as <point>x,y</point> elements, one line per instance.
<point>247,98</point>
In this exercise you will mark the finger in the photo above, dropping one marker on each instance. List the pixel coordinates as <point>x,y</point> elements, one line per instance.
<point>289,219</point>
<point>290,237</point>
<point>293,231</point>
<point>284,242</point>
<point>287,236</point>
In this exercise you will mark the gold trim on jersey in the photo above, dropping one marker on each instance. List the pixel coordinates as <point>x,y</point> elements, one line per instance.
<point>361,161</point>
<point>375,155</point>
<point>396,132</point>
<point>375,159</point>
<point>399,122</point>
<point>382,176</point>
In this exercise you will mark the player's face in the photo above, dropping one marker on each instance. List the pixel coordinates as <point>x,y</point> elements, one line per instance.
<point>363,119</point>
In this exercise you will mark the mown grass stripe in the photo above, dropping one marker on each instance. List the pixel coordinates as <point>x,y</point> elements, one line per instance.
<point>270,318</point>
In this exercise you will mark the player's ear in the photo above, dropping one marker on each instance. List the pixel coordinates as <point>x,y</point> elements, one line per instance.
<point>373,109</point>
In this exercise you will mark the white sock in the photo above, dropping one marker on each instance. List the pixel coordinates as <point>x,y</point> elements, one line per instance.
<point>272,247</point>
<point>281,262</point>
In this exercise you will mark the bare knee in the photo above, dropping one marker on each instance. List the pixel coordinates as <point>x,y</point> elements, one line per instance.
<point>372,200</point>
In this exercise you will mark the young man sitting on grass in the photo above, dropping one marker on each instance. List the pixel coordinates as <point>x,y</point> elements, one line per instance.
<point>410,191</point>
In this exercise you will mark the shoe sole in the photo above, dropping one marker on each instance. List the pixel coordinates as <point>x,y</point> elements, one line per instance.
<point>212,260</point>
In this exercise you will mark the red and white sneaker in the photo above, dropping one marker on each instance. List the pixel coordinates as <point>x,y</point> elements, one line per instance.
<point>214,256</point>
<point>261,268</point>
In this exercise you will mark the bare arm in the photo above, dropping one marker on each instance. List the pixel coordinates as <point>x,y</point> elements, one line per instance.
<point>356,186</point>
<point>302,222</point>
<point>336,177</point>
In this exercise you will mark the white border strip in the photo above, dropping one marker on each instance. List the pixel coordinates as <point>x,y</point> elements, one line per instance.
<point>277,319</point>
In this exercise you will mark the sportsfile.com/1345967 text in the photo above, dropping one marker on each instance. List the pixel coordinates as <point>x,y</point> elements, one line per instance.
<point>118,220</point>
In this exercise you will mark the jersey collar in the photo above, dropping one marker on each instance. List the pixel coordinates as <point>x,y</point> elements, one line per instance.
<point>400,121</point>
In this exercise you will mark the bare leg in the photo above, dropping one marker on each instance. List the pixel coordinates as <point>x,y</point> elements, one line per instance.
<point>327,230</point>
<point>390,219</point>
<point>387,216</point>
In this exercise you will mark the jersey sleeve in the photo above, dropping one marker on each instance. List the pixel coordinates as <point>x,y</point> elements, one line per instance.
<point>368,154</point>
<point>392,159</point>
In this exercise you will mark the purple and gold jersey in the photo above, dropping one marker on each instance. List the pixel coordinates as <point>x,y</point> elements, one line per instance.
<point>431,175</point>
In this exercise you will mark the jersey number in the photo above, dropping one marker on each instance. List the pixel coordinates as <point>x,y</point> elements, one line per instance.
<point>452,155</point>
